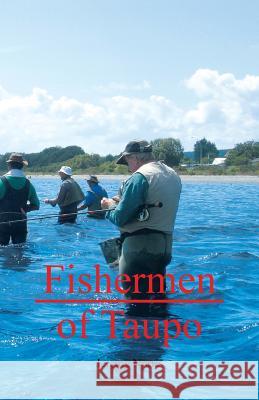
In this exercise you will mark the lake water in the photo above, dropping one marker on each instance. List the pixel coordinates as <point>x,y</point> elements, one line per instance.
<point>216,232</point>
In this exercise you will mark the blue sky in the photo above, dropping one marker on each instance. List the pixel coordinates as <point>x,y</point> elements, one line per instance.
<point>77,72</point>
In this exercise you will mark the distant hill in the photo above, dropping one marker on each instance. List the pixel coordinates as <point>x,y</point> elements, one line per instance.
<point>51,159</point>
<point>46,157</point>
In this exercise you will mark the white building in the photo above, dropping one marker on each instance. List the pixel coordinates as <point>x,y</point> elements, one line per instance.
<point>219,161</point>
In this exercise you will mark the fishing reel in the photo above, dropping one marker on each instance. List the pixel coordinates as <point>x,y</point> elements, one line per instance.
<point>144,214</point>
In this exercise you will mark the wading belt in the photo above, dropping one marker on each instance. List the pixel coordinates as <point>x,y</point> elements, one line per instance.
<point>144,231</point>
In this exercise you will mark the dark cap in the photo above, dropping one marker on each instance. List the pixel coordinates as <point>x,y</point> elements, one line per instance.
<point>93,179</point>
<point>18,158</point>
<point>135,146</point>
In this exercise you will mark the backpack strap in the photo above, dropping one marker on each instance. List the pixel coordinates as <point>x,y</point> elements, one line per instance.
<point>27,187</point>
<point>5,182</point>
<point>8,185</point>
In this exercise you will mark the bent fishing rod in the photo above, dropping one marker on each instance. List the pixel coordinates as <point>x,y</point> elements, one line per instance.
<point>49,216</point>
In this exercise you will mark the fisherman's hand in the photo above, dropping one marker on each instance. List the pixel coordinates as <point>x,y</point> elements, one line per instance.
<point>107,203</point>
<point>22,211</point>
<point>49,201</point>
<point>30,207</point>
<point>116,199</point>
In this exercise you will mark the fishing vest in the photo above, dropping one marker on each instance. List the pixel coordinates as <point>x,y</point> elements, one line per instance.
<point>165,187</point>
<point>96,205</point>
<point>73,194</point>
<point>14,199</point>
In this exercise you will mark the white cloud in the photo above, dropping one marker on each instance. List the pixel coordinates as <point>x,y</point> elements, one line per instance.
<point>226,112</point>
<point>3,93</point>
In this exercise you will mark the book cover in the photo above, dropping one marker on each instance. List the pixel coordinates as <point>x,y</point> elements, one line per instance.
<point>89,77</point>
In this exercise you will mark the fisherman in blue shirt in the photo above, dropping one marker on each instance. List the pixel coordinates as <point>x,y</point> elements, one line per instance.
<point>93,198</point>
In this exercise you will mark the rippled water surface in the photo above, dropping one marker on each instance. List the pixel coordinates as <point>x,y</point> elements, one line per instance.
<point>216,232</point>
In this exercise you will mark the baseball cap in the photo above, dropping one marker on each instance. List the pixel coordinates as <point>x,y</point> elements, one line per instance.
<point>135,146</point>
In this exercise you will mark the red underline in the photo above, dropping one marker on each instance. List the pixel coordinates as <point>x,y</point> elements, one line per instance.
<point>136,301</point>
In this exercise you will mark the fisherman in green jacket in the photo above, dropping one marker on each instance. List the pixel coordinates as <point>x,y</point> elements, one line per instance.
<point>145,214</point>
<point>68,198</point>
<point>17,197</point>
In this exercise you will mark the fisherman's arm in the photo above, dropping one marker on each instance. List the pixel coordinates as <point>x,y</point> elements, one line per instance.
<point>60,197</point>
<point>133,197</point>
<point>89,198</point>
<point>2,189</point>
<point>82,207</point>
<point>34,203</point>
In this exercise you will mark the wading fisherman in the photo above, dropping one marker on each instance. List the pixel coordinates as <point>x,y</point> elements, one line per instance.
<point>68,198</point>
<point>146,233</point>
<point>17,197</point>
<point>93,197</point>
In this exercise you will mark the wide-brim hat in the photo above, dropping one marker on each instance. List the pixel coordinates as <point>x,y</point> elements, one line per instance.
<point>93,179</point>
<point>18,158</point>
<point>66,170</point>
<point>134,147</point>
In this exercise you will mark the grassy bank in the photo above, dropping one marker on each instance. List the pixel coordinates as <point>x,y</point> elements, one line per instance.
<point>110,168</point>
<point>214,170</point>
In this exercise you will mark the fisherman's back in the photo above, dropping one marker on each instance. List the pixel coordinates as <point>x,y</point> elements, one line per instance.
<point>164,187</point>
<point>70,193</point>
<point>93,200</point>
<point>15,192</point>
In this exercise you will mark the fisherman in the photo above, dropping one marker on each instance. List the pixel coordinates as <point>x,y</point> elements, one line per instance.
<point>93,197</point>
<point>145,214</point>
<point>17,197</point>
<point>68,198</point>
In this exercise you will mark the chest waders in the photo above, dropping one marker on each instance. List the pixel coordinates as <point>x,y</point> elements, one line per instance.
<point>69,209</point>
<point>10,210</point>
<point>73,197</point>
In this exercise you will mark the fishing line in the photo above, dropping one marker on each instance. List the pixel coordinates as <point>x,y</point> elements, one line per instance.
<point>142,216</point>
<point>48,216</point>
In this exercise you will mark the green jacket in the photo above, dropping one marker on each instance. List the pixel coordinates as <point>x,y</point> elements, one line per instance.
<point>19,183</point>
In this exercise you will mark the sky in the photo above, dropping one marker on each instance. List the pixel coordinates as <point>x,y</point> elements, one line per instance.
<point>99,73</point>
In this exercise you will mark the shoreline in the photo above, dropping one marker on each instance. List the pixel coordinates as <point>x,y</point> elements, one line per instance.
<point>252,179</point>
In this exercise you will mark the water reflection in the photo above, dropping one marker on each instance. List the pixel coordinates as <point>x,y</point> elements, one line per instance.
<point>142,337</point>
<point>15,257</point>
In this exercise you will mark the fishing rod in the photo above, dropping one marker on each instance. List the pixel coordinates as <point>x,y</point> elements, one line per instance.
<point>49,216</point>
<point>144,213</point>
<point>56,215</point>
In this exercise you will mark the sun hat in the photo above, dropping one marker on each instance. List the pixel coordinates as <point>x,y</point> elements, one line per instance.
<point>18,158</point>
<point>93,179</point>
<point>135,146</point>
<point>66,170</point>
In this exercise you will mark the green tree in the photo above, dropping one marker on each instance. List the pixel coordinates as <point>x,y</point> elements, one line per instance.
<point>169,150</point>
<point>53,155</point>
<point>243,153</point>
<point>204,148</point>
<point>109,157</point>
